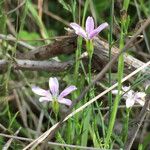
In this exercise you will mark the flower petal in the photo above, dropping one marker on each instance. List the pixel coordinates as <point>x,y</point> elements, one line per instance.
<point>89,25</point>
<point>140,101</point>
<point>78,30</point>
<point>67,91</point>
<point>39,91</point>
<point>125,88</point>
<point>130,94</point>
<point>140,95</point>
<point>54,86</point>
<point>129,102</point>
<point>115,92</point>
<point>47,99</point>
<point>97,30</point>
<point>65,101</point>
<point>140,98</point>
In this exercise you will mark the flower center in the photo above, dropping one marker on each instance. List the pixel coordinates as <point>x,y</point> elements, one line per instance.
<point>55,99</point>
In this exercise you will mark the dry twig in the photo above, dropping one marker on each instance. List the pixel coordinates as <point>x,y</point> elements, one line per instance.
<point>50,66</point>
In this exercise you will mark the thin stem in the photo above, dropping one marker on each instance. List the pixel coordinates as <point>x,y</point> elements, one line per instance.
<point>90,49</point>
<point>144,33</point>
<point>110,45</point>
<point>124,27</point>
<point>78,54</point>
<point>84,12</point>
<point>89,68</point>
<point>125,126</point>
<point>117,99</point>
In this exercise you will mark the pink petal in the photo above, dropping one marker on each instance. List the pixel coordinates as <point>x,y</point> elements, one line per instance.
<point>125,88</point>
<point>78,30</point>
<point>39,91</point>
<point>140,98</point>
<point>140,95</point>
<point>47,99</point>
<point>65,101</point>
<point>54,86</point>
<point>129,94</point>
<point>89,25</point>
<point>129,102</point>
<point>140,101</point>
<point>115,92</point>
<point>97,30</point>
<point>67,91</point>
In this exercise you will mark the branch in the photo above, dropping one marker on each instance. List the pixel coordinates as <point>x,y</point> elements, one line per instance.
<point>13,39</point>
<point>51,66</point>
<point>64,45</point>
<point>67,45</point>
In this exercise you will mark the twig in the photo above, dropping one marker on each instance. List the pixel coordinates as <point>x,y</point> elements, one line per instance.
<point>65,45</point>
<point>144,129</point>
<point>19,105</point>
<point>51,66</point>
<point>144,33</point>
<point>11,38</point>
<point>2,127</point>
<point>20,5</point>
<point>11,28</point>
<point>40,121</point>
<point>143,54</point>
<point>54,16</point>
<point>6,146</point>
<point>54,144</point>
<point>134,130</point>
<point>119,107</point>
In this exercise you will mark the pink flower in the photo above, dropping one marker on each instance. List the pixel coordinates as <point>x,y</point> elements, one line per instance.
<point>53,93</point>
<point>89,31</point>
<point>131,96</point>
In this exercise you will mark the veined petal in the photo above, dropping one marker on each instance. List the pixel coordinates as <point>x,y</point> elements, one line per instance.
<point>65,101</point>
<point>129,102</point>
<point>89,25</point>
<point>42,99</point>
<point>54,86</point>
<point>97,30</point>
<point>39,91</point>
<point>67,91</point>
<point>78,30</point>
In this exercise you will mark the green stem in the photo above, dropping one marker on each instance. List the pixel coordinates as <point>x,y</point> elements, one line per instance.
<point>124,27</point>
<point>125,126</point>
<point>110,45</point>
<point>78,54</point>
<point>90,49</point>
<point>89,69</point>
<point>79,44</point>
<point>117,99</point>
<point>84,12</point>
